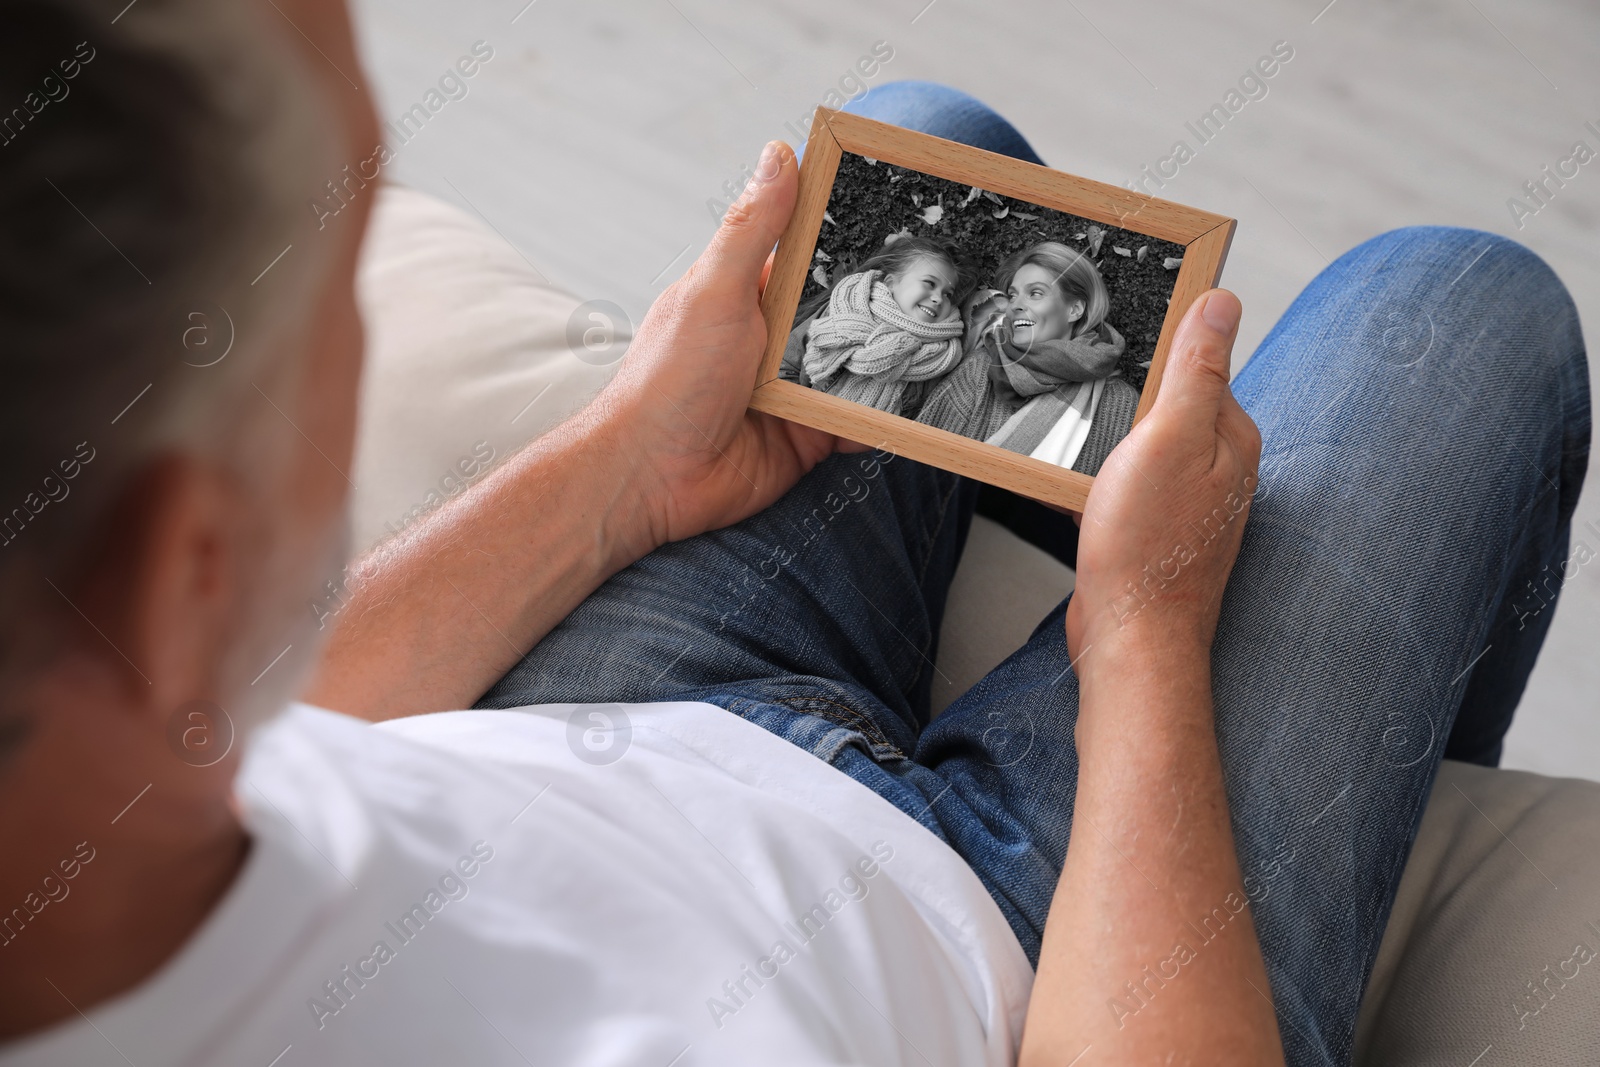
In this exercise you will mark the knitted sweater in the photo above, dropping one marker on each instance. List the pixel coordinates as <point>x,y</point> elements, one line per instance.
<point>1113,418</point>
<point>971,402</point>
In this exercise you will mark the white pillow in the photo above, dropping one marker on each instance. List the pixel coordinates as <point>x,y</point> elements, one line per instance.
<point>467,359</point>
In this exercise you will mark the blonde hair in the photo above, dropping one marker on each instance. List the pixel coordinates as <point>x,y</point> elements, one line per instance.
<point>1074,275</point>
<point>895,256</point>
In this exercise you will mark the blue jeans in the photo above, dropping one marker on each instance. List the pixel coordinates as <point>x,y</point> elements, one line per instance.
<point>1424,407</point>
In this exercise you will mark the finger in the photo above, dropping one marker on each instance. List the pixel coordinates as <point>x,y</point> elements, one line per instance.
<point>755,221</point>
<point>1196,375</point>
<point>1235,426</point>
<point>766,271</point>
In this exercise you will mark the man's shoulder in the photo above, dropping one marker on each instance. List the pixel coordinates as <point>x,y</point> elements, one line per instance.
<point>310,741</point>
<point>587,849</point>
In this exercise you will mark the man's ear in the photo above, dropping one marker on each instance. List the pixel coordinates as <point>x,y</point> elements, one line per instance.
<point>163,587</point>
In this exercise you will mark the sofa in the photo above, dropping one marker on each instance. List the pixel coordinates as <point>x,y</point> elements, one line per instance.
<point>1492,954</point>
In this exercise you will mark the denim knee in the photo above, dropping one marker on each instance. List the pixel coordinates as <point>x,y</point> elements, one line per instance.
<point>1474,267</point>
<point>942,111</point>
<point>1403,288</point>
<point>898,97</point>
<point>1487,312</point>
<point>1467,337</point>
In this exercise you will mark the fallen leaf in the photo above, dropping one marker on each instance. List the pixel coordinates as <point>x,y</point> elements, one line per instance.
<point>972,194</point>
<point>1143,251</point>
<point>916,198</point>
<point>1172,262</point>
<point>819,275</point>
<point>1079,236</point>
<point>1096,235</point>
<point>1146,363</point>
<point>1001,212</point>
<point>932,214</point>
<point>820,254</point>
<point>1119,250</point>
<point>993,196</point>
<point>893,237</point>
<point>1023,215</point>
<point>826,217</point>
<point>870,162</point>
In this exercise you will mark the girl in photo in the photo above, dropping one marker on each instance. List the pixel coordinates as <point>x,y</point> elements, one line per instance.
<point>887,331</point>
<point>1040,376</point>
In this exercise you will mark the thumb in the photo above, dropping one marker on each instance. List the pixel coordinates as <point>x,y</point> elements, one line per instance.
<point>755,221</point>
<point>1196,375</point>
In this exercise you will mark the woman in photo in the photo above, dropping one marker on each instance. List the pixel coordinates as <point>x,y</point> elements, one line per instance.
<point>886,331</point>
<point>1040,376</point>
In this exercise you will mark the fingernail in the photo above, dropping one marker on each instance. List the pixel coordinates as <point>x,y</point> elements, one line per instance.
<point>1221,312</point>
<point>768,165</point>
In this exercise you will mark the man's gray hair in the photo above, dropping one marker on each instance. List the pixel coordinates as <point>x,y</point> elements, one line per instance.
<point>152,167</point>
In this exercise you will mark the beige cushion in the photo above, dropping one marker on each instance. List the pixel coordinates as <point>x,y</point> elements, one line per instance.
<point>462,335</point>
<point>1503,882</point>
<point>1002,589</point>
<point>467,359</point>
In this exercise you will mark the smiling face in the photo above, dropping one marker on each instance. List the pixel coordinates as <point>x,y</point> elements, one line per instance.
<point>925,289</point>
<point>1038,310</point>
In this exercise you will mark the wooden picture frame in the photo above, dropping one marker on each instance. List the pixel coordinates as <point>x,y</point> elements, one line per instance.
<point>1204,236</point>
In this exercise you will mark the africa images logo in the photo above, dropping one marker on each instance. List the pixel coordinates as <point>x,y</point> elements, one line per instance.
<point>599,734</point>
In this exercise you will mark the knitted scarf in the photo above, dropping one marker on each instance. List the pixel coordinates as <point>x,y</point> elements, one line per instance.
<point>1112,421</point>
<point>1110,417</point>
<point>1059,404</point>
<point>1059,419</point>
<point>1024,371</point>
<point>979,396</point>
<point>865,349</point>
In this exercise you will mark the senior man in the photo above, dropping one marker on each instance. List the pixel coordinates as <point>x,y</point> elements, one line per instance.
<point>789,862</point>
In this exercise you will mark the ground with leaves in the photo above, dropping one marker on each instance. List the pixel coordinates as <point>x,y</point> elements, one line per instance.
<point>872,200</point>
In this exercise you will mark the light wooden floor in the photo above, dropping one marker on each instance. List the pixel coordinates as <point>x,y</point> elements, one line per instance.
<point>594,137</point>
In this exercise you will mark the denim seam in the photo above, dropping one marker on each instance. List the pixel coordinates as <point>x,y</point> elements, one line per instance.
<point>933,536</point>
<point>846,717</point>
<point>1571,444</point>
<point>927,559</point>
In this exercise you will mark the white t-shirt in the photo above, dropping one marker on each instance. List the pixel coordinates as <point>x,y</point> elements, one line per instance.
<point>534,887</point>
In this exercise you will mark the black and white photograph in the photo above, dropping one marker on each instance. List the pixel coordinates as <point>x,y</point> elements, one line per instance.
<point>811,532</point>
<point>1000,320</point>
